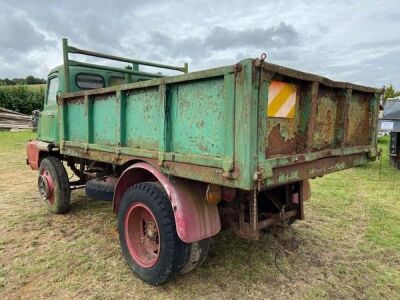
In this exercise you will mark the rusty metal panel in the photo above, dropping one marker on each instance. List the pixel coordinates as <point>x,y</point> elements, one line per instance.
<point>358,119</point>
<point>312,169</point>
<point>333,128</point>
<point>75,121</point>
<point>142,124</point>
<point>104,115</point>
<point>325,119</point>
<point>197,117</point>
<point>337,119</point>
<point>281,136</point>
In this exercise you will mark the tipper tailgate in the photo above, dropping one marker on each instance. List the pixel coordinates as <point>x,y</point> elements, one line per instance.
<point>315,125</point>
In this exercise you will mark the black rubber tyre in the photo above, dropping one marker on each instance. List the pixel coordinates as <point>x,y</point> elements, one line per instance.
<point>61,194</point>
<point>197,254</point>
<point>99,189</point>
<point>172,251</point>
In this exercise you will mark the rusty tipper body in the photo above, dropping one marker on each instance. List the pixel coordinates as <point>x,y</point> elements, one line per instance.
<point>189,153</point>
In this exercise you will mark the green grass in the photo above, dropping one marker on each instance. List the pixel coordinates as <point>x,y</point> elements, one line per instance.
<point>350,244</point>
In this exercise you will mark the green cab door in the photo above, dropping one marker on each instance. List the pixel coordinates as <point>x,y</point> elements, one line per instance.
<point>48,119</point>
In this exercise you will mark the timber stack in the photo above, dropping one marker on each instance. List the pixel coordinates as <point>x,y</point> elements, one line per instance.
<point>11,120</point>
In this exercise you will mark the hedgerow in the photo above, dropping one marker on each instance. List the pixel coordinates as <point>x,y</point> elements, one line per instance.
<point>22,98</point>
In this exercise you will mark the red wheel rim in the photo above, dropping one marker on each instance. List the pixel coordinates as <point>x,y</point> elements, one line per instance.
<point>142,235</point>
<point>46,186</point>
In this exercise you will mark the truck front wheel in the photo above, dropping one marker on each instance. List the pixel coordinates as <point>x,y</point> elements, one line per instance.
<point>147,234</point>
<point>53,185</point>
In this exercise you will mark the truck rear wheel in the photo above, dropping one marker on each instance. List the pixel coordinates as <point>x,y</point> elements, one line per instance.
<point>147,234</point>
<point>53,185</point>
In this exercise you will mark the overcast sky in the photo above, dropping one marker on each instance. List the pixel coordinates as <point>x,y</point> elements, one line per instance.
<point>357,41</point>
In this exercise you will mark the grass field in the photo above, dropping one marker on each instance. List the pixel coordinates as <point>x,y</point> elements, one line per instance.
<point>350,244</point>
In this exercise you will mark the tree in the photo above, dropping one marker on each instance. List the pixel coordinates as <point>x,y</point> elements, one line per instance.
<point>18,81</point>
<point>34,80</point>
<point>390,92</point>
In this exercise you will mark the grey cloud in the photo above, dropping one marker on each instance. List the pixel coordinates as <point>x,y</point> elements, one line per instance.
<point>96,24</point>
<point>323,29</point>
<point>378,71</point>
<point>222,39</point>
<point>18,35</point>
<point>374,44</point>
<point>283,35</point>
<point>192,47</point>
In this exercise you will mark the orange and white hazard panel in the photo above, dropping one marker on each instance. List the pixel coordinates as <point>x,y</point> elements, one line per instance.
<point>281,100</point>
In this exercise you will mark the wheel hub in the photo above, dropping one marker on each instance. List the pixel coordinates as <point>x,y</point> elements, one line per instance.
<point>43,186</point>
<point>142,235</point>
<point>151,230</point>
<point>46,186</point>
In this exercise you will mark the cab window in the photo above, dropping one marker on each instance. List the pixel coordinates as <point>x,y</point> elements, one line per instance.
<point>89,81</point>
<point>52,91</point>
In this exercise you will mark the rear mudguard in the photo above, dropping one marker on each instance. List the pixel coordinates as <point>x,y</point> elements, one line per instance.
<point>195,218</point>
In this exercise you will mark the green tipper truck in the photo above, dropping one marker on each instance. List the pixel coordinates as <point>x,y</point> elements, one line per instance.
<point>184,156</point>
